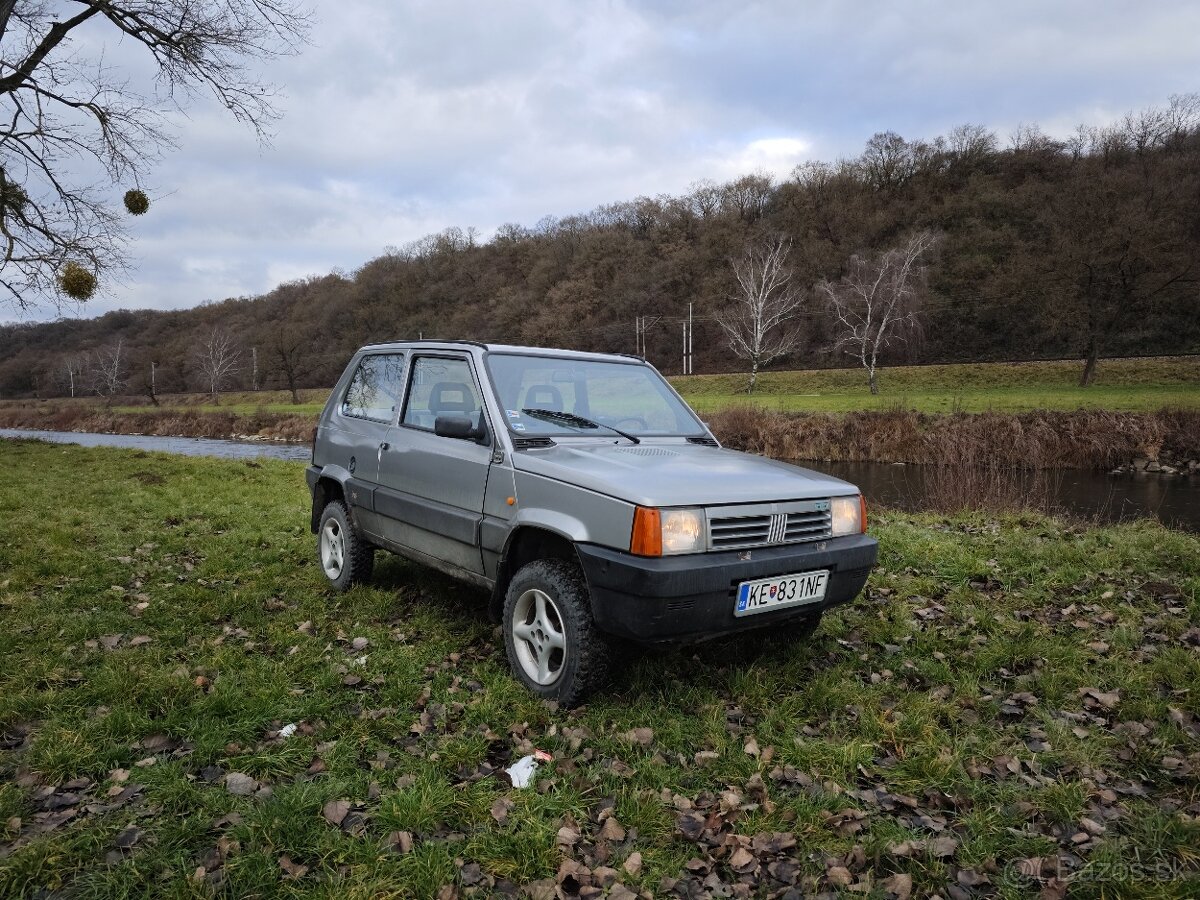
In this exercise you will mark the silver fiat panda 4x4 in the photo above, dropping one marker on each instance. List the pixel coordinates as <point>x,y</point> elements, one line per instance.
<point>583,493</point>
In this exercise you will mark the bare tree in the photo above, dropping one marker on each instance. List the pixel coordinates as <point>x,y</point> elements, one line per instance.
<point>75,128</point>
<point>109,375</point>
<point>217,359</point>
<point>292,349</point>
<point>887,161</point>
<point>73,367</point>
<point>756,321</point>
<point>877,302</point>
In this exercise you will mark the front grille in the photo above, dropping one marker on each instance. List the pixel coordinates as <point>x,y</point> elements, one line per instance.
<point>742,531</point>
<point>806,526</point>
<point>768,525</point>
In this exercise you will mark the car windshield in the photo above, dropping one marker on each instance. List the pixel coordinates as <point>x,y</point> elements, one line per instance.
<point>629,396</point>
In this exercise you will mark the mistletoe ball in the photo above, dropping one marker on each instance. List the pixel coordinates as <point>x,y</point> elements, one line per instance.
<point>77,282</point>
<point>136,202</point>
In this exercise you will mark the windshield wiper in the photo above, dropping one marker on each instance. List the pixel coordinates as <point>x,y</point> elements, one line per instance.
<point>566,418</point>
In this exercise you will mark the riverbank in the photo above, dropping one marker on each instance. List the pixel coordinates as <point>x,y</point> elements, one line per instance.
<point>1084,439</point>
<point>222,424</point>
<point>1047,439</point>
<point>1008,704</point>
<point>1003,415</point>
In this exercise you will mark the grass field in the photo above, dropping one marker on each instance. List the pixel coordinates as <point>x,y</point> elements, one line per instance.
<point>312,401</point>
<point>1013,700</point>
<point>1135,385</point>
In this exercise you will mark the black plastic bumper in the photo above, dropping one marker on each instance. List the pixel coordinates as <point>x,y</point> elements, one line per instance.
<point>683,598</point>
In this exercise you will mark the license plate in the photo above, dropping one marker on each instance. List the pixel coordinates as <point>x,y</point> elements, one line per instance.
<point>779,592</point>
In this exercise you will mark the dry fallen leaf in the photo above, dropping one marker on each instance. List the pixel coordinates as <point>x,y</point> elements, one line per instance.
<point>335,811</point>
<point>611,830</point>
<point>742,861</point>
<point>240,784</point>
<point>1097,697</point>
<point>643,736</point>
<point>943,847</point>
<point>900,884</point>
<point>501,809</point>
<point>839,876</point>
<point>401,840</point>
<point>291,870</point>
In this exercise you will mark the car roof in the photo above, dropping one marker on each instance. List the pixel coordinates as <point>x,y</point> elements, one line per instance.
<point>504,348</point>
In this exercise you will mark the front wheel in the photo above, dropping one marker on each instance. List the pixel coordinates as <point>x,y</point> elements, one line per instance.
<point>345,558</point>
<point>553,645</point>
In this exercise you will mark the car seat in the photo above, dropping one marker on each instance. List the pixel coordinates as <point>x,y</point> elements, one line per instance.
<point>543,396</point>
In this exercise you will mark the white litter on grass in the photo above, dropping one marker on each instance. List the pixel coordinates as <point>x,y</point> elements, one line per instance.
<point>360,661</point>
<point>521,772</point>
<point>287,731</point>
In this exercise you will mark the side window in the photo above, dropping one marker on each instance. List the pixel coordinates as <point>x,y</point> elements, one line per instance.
<point>441,387</point>
<point>374,392</point>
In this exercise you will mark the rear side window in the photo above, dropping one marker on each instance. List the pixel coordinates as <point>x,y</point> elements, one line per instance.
<point>374,392</point>
<point>441,387</point>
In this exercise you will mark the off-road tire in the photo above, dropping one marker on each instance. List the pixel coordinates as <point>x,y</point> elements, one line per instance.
<point>358,557</point>
<point>588,650</point>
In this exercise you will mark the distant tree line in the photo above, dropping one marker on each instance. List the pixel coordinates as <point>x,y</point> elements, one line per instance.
<point>1030,247</point>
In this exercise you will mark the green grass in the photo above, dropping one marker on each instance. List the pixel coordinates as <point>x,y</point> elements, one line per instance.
<point>1135,385</point>
<point>312,401</point>
<point>901,708</point>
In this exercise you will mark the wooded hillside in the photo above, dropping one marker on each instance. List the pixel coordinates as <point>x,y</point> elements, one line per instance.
<point>1047,249</point>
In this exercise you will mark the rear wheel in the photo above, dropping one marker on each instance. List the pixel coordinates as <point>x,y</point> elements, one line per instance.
<point>345,558</point>
<point>553,645</point>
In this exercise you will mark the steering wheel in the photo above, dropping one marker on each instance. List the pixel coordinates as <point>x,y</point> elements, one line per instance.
<point>638,421</point>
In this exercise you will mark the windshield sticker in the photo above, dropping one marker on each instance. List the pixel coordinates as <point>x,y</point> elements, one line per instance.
<point>513,413</point>
<point>518,426</point>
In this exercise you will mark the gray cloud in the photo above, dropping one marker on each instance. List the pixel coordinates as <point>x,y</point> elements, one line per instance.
<point>406,118</point>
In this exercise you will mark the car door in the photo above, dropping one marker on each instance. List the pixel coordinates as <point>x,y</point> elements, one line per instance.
<point>431,488</point>
<point>358,428</point>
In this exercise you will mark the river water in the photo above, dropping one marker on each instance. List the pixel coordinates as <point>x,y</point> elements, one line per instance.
<point>1173,499</point>
<point>181,445</point>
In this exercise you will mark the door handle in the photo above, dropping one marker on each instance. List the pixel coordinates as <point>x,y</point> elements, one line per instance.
<point>384,445</point>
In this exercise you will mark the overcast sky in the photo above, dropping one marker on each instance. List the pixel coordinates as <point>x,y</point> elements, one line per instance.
<point>404,118</point>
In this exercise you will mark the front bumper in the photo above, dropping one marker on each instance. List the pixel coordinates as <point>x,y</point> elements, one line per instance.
<point>688,598</point>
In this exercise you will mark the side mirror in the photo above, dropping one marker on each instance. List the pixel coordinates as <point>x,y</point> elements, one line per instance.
<point>457,425</point>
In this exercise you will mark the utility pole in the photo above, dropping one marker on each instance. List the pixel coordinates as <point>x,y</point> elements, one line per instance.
<point>690,367</point>
<point>637,336</point>
<point>153,392</point>
<point>685,348</point>
<point>254,366</point>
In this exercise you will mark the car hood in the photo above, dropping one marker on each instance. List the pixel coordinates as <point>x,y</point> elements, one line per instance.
<point>678,475</point>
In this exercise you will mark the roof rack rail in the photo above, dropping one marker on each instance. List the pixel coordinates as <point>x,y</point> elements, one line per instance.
<point>441,341</point>
<point>424,341</point>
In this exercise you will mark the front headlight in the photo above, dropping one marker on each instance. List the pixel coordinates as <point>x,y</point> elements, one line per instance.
<point>682,531</point>
<point>667,532</point>
<point>848,515</point>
